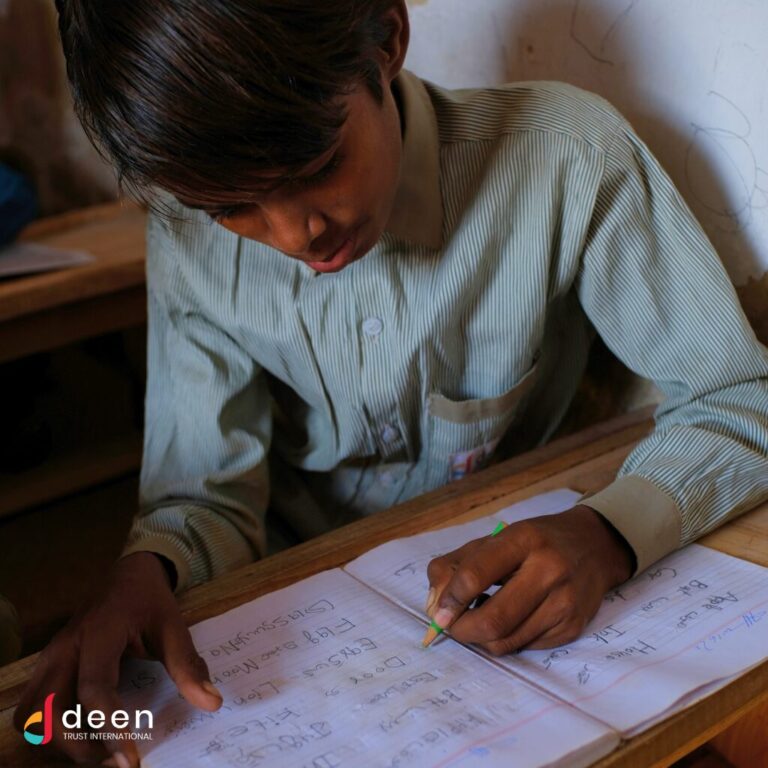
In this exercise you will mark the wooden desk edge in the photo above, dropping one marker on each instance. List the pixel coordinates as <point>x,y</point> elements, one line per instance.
<point>29,295</point>
<point>60,222</point>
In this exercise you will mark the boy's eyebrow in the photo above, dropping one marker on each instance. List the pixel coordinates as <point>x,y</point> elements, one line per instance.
<point>279,180</point>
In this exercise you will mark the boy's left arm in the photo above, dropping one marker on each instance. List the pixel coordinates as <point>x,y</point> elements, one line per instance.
<point>656,291</point>
<point>654,288</point>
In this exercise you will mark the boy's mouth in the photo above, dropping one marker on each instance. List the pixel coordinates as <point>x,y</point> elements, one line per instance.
<point>339,258</point>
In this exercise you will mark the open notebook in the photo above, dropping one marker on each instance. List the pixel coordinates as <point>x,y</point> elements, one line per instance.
<point>330,672</point>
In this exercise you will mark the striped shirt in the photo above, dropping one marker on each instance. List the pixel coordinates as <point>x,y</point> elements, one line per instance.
<point>528,217</point>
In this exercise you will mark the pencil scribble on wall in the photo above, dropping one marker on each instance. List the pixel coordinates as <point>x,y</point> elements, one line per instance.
<point>595,41</point>
<point>726,142</point>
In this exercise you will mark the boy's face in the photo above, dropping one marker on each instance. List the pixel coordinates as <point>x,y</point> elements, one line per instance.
<point>339,208</point>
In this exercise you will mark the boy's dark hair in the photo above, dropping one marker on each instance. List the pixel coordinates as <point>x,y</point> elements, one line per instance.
<point>204,98</point>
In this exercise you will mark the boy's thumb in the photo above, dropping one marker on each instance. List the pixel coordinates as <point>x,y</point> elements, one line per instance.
<point>187,668</point>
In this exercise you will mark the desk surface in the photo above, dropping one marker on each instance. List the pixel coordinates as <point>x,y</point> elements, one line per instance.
<point>45,311</point>
<point>113,234</point>
<point>586,462</point>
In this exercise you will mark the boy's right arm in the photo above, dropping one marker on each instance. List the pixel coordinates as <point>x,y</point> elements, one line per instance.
<point>204,490</point>
<point>208,415</point>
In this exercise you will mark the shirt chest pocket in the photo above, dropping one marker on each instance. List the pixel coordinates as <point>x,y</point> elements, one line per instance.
<point>463,434</point>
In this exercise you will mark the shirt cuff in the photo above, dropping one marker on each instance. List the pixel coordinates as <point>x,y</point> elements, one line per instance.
<point>645,516</point>
<point>161,545</point>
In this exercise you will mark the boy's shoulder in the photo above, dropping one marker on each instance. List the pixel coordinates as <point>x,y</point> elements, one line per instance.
<point>549,108</point>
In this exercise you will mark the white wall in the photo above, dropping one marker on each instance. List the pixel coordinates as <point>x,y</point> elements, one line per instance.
<point>690,74</point>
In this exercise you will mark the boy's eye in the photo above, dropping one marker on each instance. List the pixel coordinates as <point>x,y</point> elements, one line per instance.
<point>324,173</point>
<point>218,214</point>
<point>225,212</point>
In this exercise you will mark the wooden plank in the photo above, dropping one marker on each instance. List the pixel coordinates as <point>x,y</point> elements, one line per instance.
<point>55,328</point>
<point>745,743</point>
<point>113,234</point>
<point>69,474</point>
<point>746,537</point>
<point>78,217</point>
<point>680,734</point>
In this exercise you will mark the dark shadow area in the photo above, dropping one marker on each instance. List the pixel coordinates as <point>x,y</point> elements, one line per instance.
<point>71,422</point>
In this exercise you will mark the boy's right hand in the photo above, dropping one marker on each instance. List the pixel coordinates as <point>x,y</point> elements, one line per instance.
<point>136,615</point>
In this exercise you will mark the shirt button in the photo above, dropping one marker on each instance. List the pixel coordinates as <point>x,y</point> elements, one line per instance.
<point>372,327</point>
<point>389,434</point>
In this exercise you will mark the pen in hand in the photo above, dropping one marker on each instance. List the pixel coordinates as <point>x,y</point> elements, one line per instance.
<point>434,629</point>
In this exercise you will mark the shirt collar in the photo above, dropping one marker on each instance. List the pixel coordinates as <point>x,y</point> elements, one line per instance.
<point>417,213</point>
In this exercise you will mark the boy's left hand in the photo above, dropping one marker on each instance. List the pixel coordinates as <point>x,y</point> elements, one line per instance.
<point>554,572</point>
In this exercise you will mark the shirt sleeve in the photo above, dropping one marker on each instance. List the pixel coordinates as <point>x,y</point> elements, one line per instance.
<point>656,291</point>
<point>204,480</point>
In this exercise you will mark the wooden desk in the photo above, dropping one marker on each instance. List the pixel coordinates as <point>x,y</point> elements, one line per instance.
<point>40,313</point>
<point>586,462</point>
<point>46,311</point>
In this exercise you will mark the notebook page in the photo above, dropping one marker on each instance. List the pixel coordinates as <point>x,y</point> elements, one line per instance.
<point>682,628</point>
<point>327,674</point>
<point>398,569</point>
<point>30,258</point>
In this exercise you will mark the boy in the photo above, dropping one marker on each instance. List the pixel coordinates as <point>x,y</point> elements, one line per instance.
<point>399,282</point>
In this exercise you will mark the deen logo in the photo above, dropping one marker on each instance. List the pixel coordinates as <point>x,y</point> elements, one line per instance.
<point>95,720</point>
<point>46,718</point>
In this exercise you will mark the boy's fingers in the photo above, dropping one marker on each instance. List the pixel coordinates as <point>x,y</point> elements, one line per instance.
<point>516,614</point>
<point>185,666</point>
<point>491,560</point>
<point>55,673</point>
<point>440,570</point>
<point>62,684</point>
<point>560,634</point>
<point>120,747</point>
<point>59,660</point>
<point>97,690</point>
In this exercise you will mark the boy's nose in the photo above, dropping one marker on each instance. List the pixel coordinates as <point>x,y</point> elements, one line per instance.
<point>292,230</point>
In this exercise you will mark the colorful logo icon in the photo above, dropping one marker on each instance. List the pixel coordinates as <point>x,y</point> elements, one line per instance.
<point>46,718</point>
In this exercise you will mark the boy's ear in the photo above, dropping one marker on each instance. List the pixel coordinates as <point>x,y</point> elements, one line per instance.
<point>396,46</point>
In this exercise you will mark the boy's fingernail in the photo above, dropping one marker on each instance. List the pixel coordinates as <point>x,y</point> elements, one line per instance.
<point>430,600</point>
<point>118,760</point>
<point>209,687</point>
<point>443,618</point>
